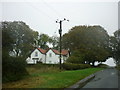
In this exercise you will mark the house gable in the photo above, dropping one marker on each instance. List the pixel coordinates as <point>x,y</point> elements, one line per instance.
<point>51,57</point>
<point>42,50</point>
<point>33,54</point>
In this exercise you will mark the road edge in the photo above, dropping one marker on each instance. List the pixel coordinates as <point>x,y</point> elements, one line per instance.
<point>82,82</point>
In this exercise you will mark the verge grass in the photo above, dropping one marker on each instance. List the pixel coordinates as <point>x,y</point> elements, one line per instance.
<point>50,77</point>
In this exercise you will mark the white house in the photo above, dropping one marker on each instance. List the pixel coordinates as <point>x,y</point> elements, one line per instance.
<point>49,56</point>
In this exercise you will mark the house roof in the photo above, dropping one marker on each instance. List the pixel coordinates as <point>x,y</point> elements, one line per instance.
<point>64,52</point>
<point>55,51</point>
<point>43,51</point>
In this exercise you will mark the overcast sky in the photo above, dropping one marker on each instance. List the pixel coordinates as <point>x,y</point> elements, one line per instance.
<point>41,15</point>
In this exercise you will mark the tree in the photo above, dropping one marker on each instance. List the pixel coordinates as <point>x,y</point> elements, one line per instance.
<point>77,57</point>
<point>116,46</point>
<point>92,41</point>
<point>22,36</point>
<point>43,40</point>
<point>54,40</point>
<point>7,41</point>
<point>13,68</point>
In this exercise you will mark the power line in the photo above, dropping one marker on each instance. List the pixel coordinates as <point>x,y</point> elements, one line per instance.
<point>40,11</point>
<point>54,10</point>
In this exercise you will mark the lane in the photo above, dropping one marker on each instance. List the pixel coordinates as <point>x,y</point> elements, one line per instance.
<point>107,78</point>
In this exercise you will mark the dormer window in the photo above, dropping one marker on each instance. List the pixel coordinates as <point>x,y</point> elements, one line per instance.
<point>36,54</point>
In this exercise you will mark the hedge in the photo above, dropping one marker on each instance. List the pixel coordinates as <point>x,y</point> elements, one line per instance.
<point>71,66</point>
<point>13,68</point>
<point>102,65</point>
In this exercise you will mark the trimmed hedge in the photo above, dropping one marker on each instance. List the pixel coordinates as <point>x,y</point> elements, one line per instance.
<point>41,65</point>
<point>71,66</point>
<point>102,66</point>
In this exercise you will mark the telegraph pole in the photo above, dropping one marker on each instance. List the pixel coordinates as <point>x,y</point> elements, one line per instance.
<point>60,32</point>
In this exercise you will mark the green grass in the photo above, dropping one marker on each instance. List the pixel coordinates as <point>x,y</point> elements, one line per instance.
<point>50,78</point>
<point>65,78</point>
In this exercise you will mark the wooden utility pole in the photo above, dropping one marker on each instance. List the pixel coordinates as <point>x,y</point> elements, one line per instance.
<point>60,32</point>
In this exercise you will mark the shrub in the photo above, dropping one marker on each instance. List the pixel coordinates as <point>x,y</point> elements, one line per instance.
<point>76,57</point>
<point>118,67</point>
<point>103,65</point>
<point>41,65</point>
<point>71,66</point>
<point>13,68</point>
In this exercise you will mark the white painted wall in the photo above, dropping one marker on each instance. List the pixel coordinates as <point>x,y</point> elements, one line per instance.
<point>53,59</point>
<point>30,61</point>
<point>33,59</point>
<point>40,55</point>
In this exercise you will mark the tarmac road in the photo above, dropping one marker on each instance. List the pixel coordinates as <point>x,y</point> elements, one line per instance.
<point>107,78</point>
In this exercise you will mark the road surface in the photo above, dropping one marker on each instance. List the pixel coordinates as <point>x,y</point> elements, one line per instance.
<point>107,78</point>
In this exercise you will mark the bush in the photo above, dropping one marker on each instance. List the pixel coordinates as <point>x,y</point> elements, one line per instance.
<point>71,66</point>
<point>77,57</point>
<point>103,65</point>
<point>118,67</point>
<point>41,65</point>
<point>13,68</point>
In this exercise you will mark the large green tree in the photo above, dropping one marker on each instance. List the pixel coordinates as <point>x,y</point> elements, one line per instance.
<point>92,41</point>
<point>22,36</point>
<point>13,68</point>
<point>116,46</point>
<point>43,40</point>
<point>54,41</point>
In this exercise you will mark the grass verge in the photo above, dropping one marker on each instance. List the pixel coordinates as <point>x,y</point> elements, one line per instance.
<point>51,78</point>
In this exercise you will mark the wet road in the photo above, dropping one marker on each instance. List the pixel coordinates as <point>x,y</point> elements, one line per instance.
<point>107,78</point>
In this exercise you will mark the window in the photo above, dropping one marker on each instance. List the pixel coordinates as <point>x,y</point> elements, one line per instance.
<point>50,54</point>
<point>36,54</point>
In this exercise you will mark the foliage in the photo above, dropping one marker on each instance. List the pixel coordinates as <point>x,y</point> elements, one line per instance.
<point>116,46</point>
<point>71,66</point>
<point>13,68</point>
<point>103,66</point>
<point>43,68</point>
<point>52,80</point>
<point>22,36</point>
<point>91,41</point>
<point>77,57</point>
<point>54,40</point>
<point>7,41</point>
<point>43,40</point>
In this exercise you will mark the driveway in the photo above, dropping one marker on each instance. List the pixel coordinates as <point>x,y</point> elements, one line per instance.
<point>107,78</point>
